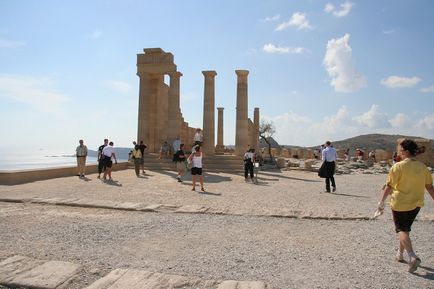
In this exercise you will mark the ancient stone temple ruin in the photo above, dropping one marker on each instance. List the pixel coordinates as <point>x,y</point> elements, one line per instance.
<point>160,118</point>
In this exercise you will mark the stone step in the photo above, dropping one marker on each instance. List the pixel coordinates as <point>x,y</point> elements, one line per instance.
<point>140,279</point>
<point>25,272</point>
<point>20,271</point>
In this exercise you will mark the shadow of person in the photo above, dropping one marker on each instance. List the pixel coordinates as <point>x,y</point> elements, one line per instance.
<point>209,193</point>
<point>86,179</point>
<point>347,195</point>
<point>113,183</point>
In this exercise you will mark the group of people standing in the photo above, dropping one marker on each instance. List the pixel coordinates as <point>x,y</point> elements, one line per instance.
<point>138,156</point>
<point>106,155</point>
<point>193,161</point>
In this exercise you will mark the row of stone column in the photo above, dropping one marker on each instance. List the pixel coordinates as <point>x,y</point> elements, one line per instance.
<point>160,116</point>
<point>245,136</point>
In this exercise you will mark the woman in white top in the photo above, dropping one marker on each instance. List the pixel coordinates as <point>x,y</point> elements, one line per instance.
<point>196,159</point>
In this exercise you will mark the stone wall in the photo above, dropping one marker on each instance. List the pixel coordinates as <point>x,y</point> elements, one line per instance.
<point>27,176</point>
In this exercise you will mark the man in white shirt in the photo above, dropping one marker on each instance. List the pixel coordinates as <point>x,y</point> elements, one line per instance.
<point>329,157</point>
<point>108,153</point>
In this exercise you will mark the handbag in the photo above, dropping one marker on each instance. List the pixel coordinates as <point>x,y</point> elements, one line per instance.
<point>322,172</point>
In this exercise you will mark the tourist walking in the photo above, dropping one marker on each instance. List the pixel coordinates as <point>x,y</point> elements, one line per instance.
<point>196,170</point>
<point>347,155</point>
<point>176,144</point>
<point>198,137</point>
<point>249,159</point>
<point>164,150</point>
<point>100,157</point>
<point>136,155</point>
<point>81,154</point>
<point>406,184</point>
<point>329,157</point>
<point>108,153</point>
<point>179,159</point>
<point>142,148</point>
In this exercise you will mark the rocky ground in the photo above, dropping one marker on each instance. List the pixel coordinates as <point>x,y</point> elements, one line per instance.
<point>284,230</point>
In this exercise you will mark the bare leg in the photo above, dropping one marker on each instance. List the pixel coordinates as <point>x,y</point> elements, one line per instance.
<point>194,182</point>
<point>201,182</point>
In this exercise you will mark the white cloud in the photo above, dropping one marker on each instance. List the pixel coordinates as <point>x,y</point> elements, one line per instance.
<point>428,89</point>
<point>329,8</point>
<point>400,120</point>
<point>399,81</point>
<point>340,67</point>
<point>95,34</point>
<point>38,92</point>
<point>298,20</point>
<point>119,86</point>
<point>10,44</point>
<point>390,31</point>
<point>373,118</point>
<point>426,123</point>
<point>272,18</point>
<point>296,129</point>
<point>271,48</point>
<point>344,10</point>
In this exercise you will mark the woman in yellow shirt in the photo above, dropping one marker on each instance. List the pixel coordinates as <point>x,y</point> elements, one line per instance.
<point>406,184</point>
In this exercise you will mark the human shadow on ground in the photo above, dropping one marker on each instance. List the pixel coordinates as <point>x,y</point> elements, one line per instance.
<point>86,179</point>
<point>112,183</point>
<point>210,193</point>
<point>429,276</point>
<point>348,195</point>
<point>213,178</point>
<point>265,173</point>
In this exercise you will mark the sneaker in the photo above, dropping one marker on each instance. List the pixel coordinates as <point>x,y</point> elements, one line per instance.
<point>399,258</point>
<point>334,189</point>
<point>202,189</point>
<point>413,264</point>
<point>179,180</point>
<point>193,189</point>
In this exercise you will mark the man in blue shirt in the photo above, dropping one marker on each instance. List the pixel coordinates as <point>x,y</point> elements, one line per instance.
<point>329,157</point>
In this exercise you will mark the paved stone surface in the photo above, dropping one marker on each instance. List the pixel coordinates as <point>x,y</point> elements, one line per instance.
<point>139,279</point>
<point>292,194</point>
<point>283,231</point>
<point>19,271</point>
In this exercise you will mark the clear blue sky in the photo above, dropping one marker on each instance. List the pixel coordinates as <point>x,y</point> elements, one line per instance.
<point>320,70</point>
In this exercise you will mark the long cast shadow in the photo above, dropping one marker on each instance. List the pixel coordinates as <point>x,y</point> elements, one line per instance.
<point>285,177</point>
<point>348,195</point>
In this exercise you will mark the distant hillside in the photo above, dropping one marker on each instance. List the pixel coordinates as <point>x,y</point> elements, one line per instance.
<point>370,142</point>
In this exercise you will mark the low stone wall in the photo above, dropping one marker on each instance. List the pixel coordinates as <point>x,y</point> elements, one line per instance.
<point>27,176</point>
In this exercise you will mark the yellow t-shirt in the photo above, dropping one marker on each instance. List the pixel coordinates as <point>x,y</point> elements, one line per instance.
<point>137,154</point>
<point>408,179</point>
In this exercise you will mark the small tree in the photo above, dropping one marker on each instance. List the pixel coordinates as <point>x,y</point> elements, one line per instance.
<point>267,130</point>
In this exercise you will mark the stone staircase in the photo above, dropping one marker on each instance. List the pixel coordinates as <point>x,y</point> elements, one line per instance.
<point>216,163</point>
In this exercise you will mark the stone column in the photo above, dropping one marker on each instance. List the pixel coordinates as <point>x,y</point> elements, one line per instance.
<point>174,117</point>
<point>208,113</point>
<point>220,146</point>
<point>241,133</point>
<point>143,123</point>
<point>255,143</point>
<point>153,139</point>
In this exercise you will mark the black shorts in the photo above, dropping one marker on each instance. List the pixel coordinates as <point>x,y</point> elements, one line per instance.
<point>107,161</point>
<point>404,220</point>
<point>196,171</point>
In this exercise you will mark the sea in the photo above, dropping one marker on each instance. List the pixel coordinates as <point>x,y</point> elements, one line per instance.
<point>13,159</point>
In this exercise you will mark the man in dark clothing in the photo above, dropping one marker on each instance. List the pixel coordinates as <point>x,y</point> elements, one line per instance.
<point>329,157</point>
<point>179,159</point>
<point>100,161</point>
<point>142,148</point>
